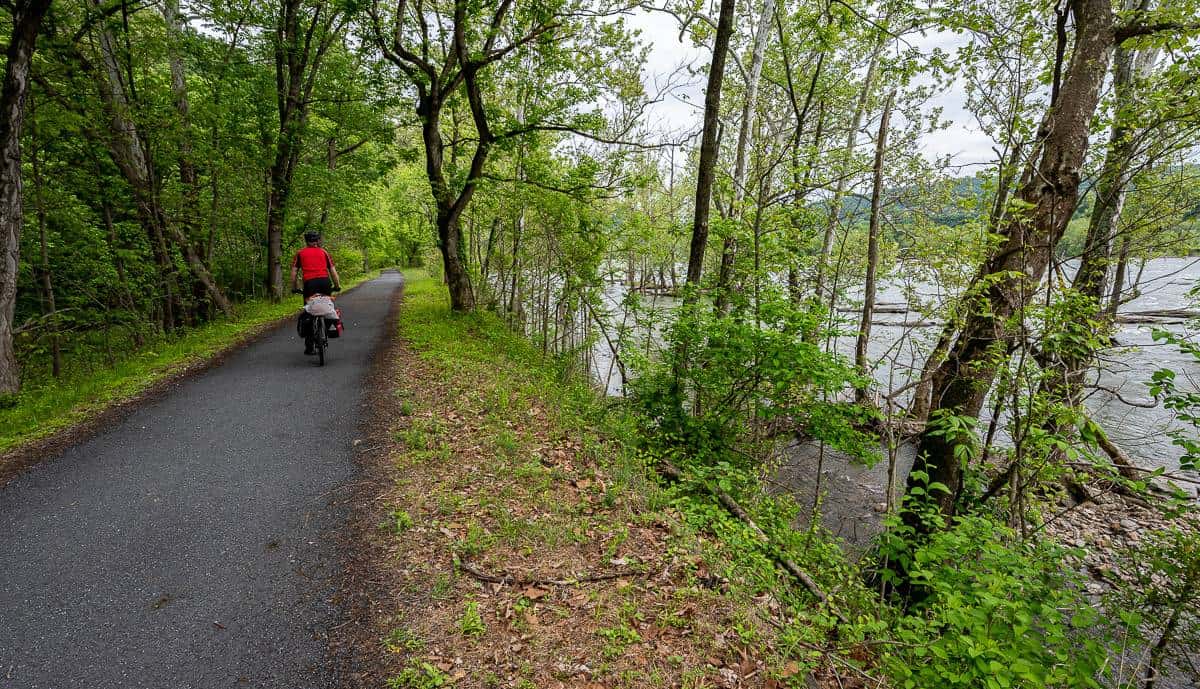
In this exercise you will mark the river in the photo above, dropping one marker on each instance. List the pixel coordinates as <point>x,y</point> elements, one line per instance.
<point>853,497</point>
<point>1119,401</point>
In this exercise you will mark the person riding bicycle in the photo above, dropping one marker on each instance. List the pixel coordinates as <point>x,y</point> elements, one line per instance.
<point>316,269</point>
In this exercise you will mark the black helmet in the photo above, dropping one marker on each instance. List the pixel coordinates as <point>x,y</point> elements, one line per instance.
<point>312,236</point>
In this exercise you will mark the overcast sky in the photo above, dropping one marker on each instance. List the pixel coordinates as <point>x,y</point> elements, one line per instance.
<point>681,111</point>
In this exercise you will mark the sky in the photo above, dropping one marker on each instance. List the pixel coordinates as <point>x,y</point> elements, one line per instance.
<point>680,111</point>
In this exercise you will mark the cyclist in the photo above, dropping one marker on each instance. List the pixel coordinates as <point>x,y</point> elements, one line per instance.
<point>317,270</point>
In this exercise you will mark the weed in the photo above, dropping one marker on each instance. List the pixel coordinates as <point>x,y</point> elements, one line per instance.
<point>618,638</point>
<point>506,443</point>
<point>401,521</point>
<point>476,541</point>
<point>403,640</point>
<point>471,622</point>
<point>419,676</point>
<point>442,585</point>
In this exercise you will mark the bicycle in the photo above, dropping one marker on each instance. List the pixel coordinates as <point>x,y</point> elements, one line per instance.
<point>318,334</point>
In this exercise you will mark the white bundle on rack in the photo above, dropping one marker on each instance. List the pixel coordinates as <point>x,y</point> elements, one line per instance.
<point>321,305</point>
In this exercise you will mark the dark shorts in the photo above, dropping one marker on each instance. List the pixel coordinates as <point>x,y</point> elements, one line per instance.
<point>317,286</point>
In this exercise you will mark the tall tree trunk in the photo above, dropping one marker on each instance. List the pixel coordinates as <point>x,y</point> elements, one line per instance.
<point>1015,269</point>
<point>745,131</point>
<point>298,52</point>
<point>709,145</point>
<point>1065,368</point>
<point>127,150</point>
<point>131,155</point>
<point>449,208</point>
<point>204,284</point>
<point>26,22</point>
<point>187,166</point>
<point>868,311</point>
<point>485,269</point>
<point>918,409</point>
<point>282,172</point>
<point>514,298</point>
<point>1113,182</point>
<point>454,261</point>
<point>1118,285</point>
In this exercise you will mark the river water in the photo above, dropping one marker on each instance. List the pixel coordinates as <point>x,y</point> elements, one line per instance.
<point>1119,401</point>
<point>852,497</point>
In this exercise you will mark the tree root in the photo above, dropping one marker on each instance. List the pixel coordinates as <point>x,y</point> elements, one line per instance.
<point>789,565</point>
<point>507,579</point>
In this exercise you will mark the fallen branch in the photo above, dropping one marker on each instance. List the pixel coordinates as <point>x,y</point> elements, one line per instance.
<point>788,564</point>
<point>1120,460</point>
<point>507,579</point>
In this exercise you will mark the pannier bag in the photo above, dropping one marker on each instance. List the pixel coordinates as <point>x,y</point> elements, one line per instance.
<point>304,324</point>
<point>333,326</point>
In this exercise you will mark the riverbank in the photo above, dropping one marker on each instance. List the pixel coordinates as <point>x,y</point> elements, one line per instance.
<point>516,540</point>
<point>52,412</point>
<point>514,530</point>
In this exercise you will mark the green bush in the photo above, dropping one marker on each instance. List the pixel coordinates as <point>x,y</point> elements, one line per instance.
<point>994,613</point>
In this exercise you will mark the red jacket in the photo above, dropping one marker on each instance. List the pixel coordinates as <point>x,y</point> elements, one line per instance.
<point>313,262</point>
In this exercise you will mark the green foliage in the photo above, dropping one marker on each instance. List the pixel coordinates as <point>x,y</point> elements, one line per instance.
<point>471,622</point>
<point>419,675</point>
<point>719,375</point>
<point>1182,400</point>
<point>995,612</point>
<point>401,521</point>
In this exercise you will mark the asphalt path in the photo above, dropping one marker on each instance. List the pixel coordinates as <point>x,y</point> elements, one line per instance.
<point>193,543</point>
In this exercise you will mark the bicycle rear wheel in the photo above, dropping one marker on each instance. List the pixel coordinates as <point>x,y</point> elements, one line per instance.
<point>322,339</point>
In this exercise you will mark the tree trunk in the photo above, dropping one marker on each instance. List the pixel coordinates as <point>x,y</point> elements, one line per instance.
<point>281,175</point>
<point>868,311</point>
<point>1113,182</point>
<point>1016,268</point>
<point>1118,284</point>
<point>918,409</point>
<point>745,131</point>
<point>514,299</point>
<point>1065,368</point>
<point>189,236</point>
<point>298,53</point>
<point>131,155</point>
<point>709,149</point>
<point>458,281</point>
<point>26,21</point>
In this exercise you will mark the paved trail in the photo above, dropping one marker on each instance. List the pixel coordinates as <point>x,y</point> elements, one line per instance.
<point>191,545</point>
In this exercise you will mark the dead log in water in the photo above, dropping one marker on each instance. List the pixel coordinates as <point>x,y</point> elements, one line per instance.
<point>1158,316</point>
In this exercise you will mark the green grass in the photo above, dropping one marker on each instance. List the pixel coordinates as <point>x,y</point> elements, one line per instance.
<point>46,405</point>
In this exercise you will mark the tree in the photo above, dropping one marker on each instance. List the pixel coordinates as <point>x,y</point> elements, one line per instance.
<point>1008,279</point>
<point>709,146</point>
<point>460,62</point>
<point>300,38</point>
<point>26,23</point>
